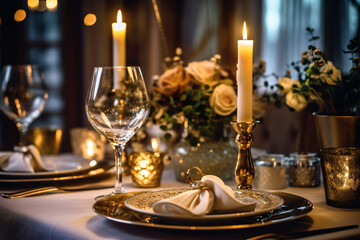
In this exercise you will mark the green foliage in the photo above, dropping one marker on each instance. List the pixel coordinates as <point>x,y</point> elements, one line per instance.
<point>189,107</point>
<point>316,80</point>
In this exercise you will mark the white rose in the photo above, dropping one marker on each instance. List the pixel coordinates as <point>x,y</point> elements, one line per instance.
<point>287,83</point>
<point>223,100</point>
<point>203,72</point>
<point>325,76</point>
<point>295,101</point>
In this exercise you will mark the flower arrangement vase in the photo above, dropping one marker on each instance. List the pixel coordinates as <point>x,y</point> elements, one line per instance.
<point>215,157</point>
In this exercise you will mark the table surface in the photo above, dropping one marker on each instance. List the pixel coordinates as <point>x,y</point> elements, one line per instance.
<point>70,216</point>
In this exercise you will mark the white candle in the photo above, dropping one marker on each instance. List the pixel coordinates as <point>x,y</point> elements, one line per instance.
<point>244,78</point>
<point>119,41</point>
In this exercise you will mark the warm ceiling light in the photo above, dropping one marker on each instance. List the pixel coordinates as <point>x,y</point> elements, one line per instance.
<point>89,19</point>
<point>51,5</point>
<point>19,15</point>
<point>33,4</point>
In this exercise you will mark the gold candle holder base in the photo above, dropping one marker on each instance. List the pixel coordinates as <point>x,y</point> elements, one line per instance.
<point>244,170</point>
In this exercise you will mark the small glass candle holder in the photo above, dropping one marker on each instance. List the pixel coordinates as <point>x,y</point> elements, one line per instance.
<point>46,139</point>
<point>146,169</point>
<point>341,175</point>
<point>87,143</point>
<point>304,170</point>
<point>270,172</point>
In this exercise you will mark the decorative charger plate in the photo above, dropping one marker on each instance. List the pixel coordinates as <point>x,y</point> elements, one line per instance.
<point>98,170</point>
<point>57,165</point>
<point>113,208</point>
<point>144,202</point>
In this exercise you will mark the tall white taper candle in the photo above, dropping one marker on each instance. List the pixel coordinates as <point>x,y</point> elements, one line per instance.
<point>244,78</point>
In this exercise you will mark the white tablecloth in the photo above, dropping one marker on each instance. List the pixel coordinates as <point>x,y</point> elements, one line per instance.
<point>70,216</point>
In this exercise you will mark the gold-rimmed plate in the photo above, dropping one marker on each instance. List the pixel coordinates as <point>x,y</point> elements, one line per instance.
<point>60,165</point>
<point>99,169</point>
<point>114,209</point>
<point>143,203</point>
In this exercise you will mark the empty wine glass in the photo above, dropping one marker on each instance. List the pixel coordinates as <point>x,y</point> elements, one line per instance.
<point>23,95</point>
<point>117,105</point>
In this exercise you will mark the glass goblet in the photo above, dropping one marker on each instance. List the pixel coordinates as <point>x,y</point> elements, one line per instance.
<point>117,105</point>
<point>23,95</point>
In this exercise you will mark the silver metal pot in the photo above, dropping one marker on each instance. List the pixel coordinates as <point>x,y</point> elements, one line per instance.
<point>338,131</point>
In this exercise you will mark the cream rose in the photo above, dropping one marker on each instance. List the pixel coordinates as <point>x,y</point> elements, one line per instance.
<point>203,72</point>
<point>172,81</point>
<point>329,74</point>
<point>287,83</point>
<point>295,101</point>
<point>223,100</point>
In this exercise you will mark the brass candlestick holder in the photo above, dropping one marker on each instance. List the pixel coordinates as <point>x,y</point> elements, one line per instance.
<point>244,170</point>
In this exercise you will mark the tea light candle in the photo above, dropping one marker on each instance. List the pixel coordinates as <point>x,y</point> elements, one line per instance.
<point>87,143</point>
<point>244,78</point>
<point>304,170</point>
<point>341,176</point>
<point>155,145</point>
<point>119,41</point>
<point>89,148</point>
<point>270,172</point>
<point>146,169</point>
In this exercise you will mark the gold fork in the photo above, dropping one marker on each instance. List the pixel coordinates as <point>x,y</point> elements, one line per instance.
<point>42,190</point>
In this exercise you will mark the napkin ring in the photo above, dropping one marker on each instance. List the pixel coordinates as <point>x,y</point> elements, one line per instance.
<point>196,184</point>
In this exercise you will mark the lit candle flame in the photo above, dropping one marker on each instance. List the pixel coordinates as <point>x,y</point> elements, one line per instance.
<point>119,16</point>
<point>90,148</point>
<point>155,144</point>
<point>244,32</point>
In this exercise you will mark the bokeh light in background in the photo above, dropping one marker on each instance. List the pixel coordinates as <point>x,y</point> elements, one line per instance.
<point>33,4</point>
<point>89,19</point>
<point>19,15</point>
<point>51,5</point>
<point>42,5</point>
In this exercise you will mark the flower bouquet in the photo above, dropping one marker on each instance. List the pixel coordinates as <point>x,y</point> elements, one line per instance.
<point>200,97</point>
<point>320,86</point>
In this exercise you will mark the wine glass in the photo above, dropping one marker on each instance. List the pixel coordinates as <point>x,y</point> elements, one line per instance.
<point>117,105</point>
<point>23,96</point>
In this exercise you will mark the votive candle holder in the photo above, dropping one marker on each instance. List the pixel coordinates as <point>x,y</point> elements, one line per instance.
<point>146,169</point>
<point>341,176</point>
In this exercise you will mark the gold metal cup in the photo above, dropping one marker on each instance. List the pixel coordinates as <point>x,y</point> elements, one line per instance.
<point>47,140</point>
<point>244,170</point>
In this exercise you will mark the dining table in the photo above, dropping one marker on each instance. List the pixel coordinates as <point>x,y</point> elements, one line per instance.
<point>70,215</point>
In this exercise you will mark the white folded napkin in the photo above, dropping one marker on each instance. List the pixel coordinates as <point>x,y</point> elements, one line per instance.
<point>215,197</point>
<point>24,159</point>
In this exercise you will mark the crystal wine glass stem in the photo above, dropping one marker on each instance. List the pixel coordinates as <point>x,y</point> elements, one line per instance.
<point>23,130</point>
<point>118,149</point>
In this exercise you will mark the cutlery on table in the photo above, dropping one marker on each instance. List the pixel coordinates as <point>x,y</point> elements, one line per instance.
<point>37,191</point>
